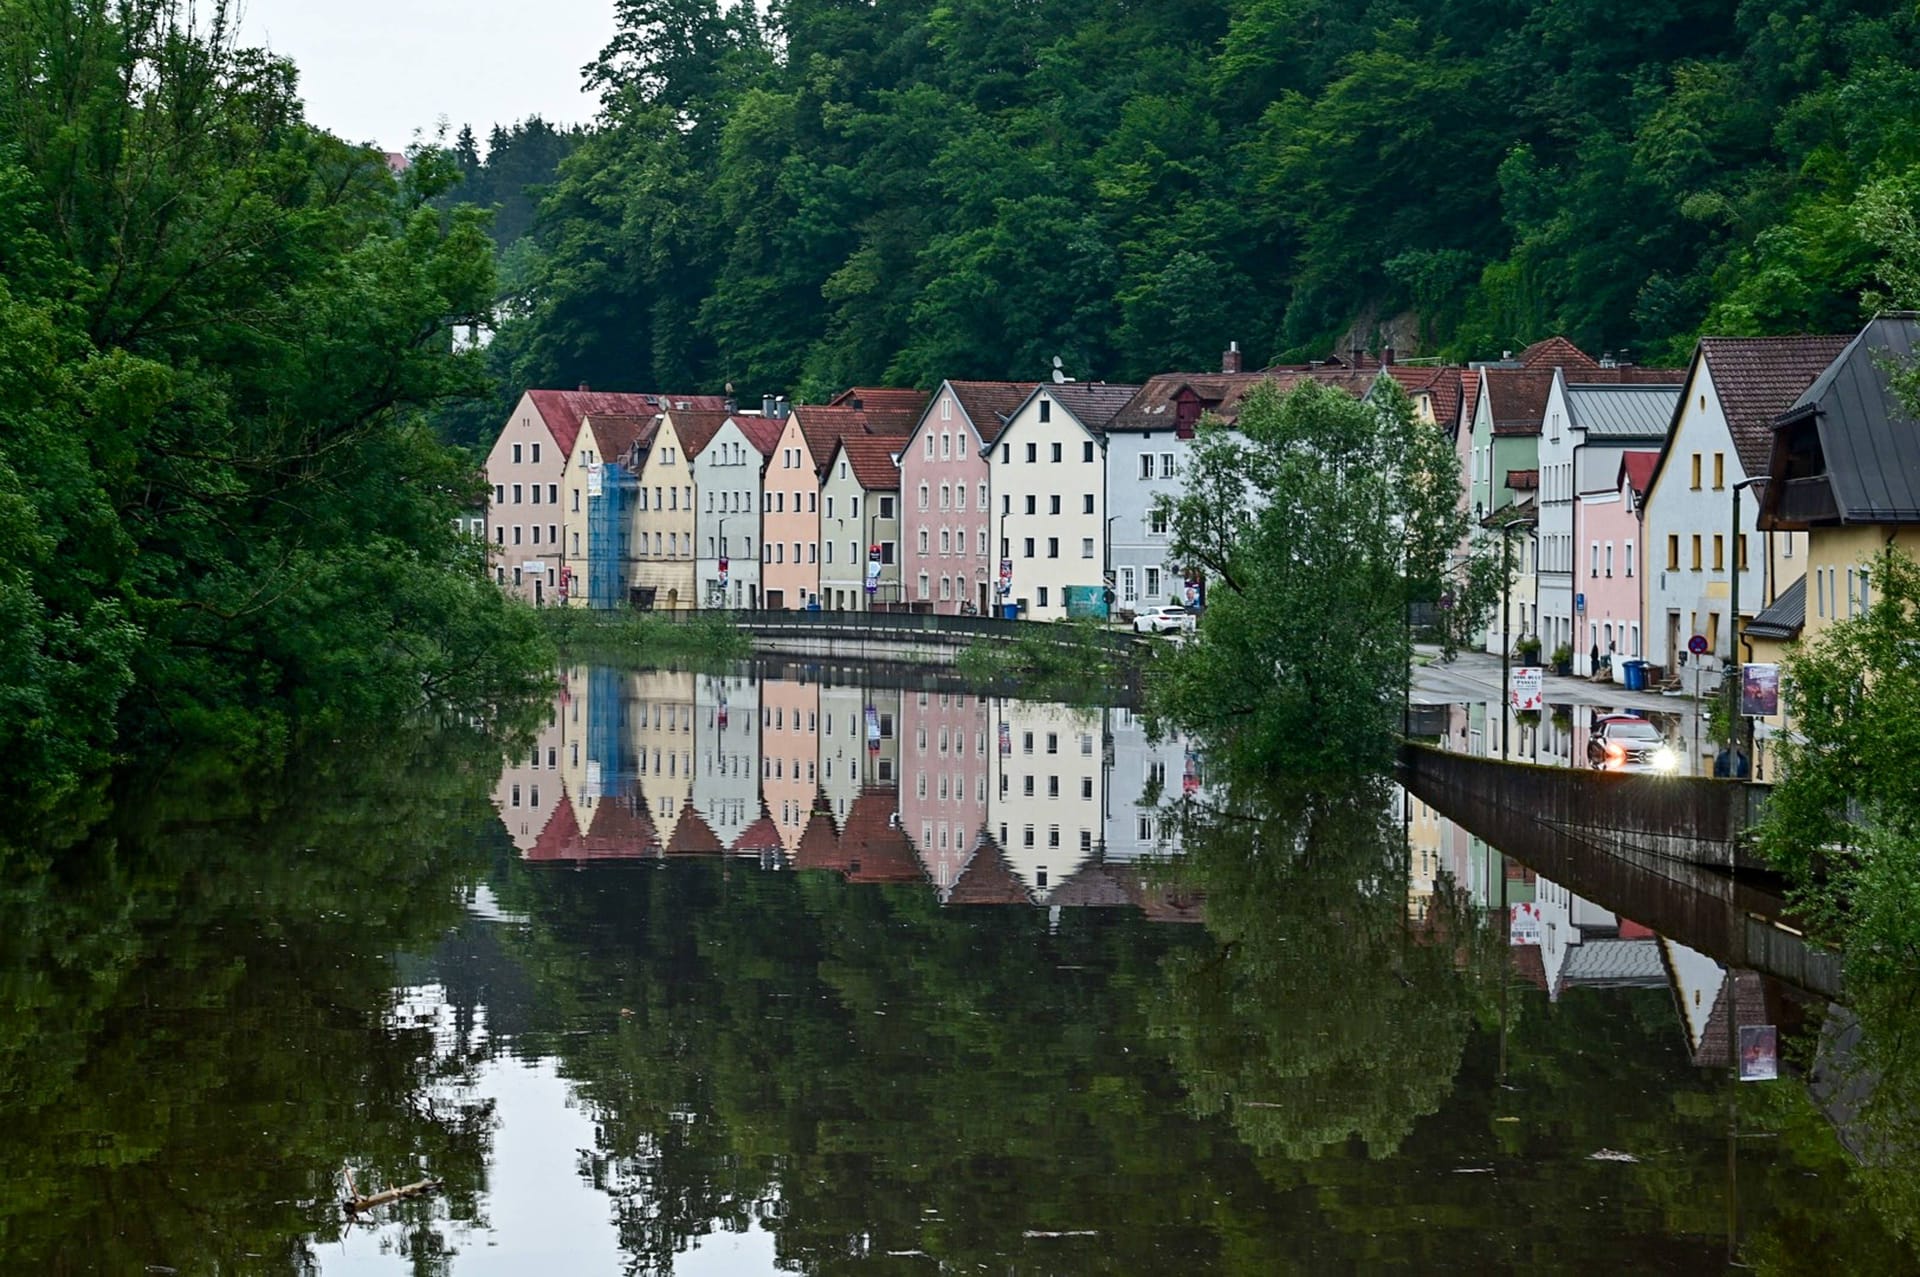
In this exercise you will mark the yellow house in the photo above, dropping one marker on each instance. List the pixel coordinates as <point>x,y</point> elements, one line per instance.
<point>1846,470</point>
<point>599,505</point>
<point>664,508</point>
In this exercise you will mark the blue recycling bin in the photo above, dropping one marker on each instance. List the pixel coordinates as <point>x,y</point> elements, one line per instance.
<point>1010,611</point>
<point>1636,672</point>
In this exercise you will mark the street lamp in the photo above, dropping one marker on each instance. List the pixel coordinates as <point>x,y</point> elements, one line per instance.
<point>1731,674</point>
<point>1508,521</point>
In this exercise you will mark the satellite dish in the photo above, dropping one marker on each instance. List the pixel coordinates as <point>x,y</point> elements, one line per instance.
<point>1059,376</point>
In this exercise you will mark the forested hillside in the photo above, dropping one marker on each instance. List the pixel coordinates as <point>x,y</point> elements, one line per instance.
<point>846,191</point>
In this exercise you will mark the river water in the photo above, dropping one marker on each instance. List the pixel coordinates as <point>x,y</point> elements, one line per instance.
<point>807,969</point>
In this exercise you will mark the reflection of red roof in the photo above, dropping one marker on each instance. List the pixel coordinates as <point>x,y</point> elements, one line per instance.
<point>562,410</point>
<point>761,835</point>
<point>692,836</point>
<point>873,848</point>
<point>621,829</point>
<point>989,880</point>
<point>558,836</point>
<point>819,843</point>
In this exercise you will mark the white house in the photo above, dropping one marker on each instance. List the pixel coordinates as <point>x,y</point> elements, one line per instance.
<point>1047,483</point>
<point>1721,437</point>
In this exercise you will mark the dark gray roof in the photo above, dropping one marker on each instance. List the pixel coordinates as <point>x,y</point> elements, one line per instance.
<point>1093,403</point>
<point>1784,617</point>
<point>1870,440</point>
<point>1622,412</point>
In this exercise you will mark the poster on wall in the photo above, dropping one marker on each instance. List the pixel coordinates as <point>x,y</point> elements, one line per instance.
<point>1523,924</point>
<point>1524,692</point>
<point>1759,1053</point>
<point>1759,690</point>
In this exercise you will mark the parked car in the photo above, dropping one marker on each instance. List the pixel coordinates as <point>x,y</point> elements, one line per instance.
<point>1165,619</point>
<point>1624,743</point>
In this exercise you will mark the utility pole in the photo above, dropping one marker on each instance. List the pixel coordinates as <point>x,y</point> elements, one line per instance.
<point>1732,673</point>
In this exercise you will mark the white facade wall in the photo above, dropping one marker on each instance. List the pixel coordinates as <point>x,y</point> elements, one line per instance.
<point>1047,479</point>
<point>726,778</point>
<point>1142,466</point>
<point>726,493</point>
<point>1553,586</point>
<point>1135,828</point>
<point>1047,799</point>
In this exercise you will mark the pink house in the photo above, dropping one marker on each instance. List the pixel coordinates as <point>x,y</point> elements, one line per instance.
<point>943,489</point>
<point>1608,572</point>
<point>945,767</point>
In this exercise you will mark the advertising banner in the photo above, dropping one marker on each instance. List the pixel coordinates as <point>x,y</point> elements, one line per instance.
<point>1524,692</point>
<point>1523,924</point>
<point>1759,1053</point>
<point>1759,690</point>
<point>595,483</point>
<point>1006,576</point>
<point>873,569</point>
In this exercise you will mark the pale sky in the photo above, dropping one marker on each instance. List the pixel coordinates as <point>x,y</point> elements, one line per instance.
<point>380,70</point>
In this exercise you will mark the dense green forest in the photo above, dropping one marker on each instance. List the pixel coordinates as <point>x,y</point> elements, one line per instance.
<point>226,519</point>
<point>841,191</point>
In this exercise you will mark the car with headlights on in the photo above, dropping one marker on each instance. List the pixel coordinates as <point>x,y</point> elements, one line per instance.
<point>1625,743</point>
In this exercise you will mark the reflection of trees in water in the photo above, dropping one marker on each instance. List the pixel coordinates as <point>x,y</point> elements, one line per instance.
<point>1319,1014</point>
<point>197,1019</point>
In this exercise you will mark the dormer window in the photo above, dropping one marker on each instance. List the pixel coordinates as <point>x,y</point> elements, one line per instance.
<point>1186,413</point>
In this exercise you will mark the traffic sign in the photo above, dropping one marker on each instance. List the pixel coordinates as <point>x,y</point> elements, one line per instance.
<point>1697,645</point>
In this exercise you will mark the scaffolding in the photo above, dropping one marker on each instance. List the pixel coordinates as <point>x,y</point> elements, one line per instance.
<point>608,532</point>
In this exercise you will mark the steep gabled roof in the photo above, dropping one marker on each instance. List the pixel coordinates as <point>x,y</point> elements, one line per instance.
<point>873,848</point>
<point>823,425</point>
<point>1517,399</point>
<point>620,433</point>
<point>1869,439</point>
<point>563,410</point>
<point>1636,468</point>
<point>989,880</point>
<point>1622,412</point>
<point>763,433</point>
<point>819,846</point>
<point>1093,403</point>
<point>1556,352</point>
<point>693,836</point>
<point>696,428</point>
<point>1469,396</point>
<point>761,835</point>
<point>988,404</point>
<point>1758,378</point>
<point>886,401</point>
<point>871,460</point>
<point>559,836</point>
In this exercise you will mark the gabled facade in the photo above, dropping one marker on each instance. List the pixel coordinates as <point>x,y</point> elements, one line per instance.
<point>664,512</point>
<point>1047,805</point>
<point>1608,571</point>
<point>725,792</point>
<point>946,453</point>
<point>946,766</point>
<point>727,483</point>
<point>599,492</point>
<point>1846,460</point>
<point>1587,427</point>
<point>789,755</point>
<point>1734,389</point>
<point>1047,477</point>
<point>860,524</point>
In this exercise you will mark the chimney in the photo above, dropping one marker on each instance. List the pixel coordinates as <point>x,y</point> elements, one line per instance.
<point>1386,357</point>
<point>732,403</point>
<point>1230,361</point>
<point>780,407</point>
<point>767,406</point>
<point>584,387</point>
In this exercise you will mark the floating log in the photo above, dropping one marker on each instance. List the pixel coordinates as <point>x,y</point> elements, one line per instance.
<point>356,1202</point>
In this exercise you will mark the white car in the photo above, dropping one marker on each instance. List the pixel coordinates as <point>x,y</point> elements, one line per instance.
<point>1166,619</point>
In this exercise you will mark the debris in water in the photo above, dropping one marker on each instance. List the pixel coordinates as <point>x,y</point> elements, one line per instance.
<point>1611,1155</point>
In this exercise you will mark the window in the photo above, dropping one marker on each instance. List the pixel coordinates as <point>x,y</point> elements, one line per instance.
<point>829,507</point>
<point>576,545</point>
<point>1593,567</point>
<point>886,507</point>
<point>499,494</point>
<point>983,494</point>
<point>1053,547</point>
<point>1086,451</point>
<point>960,445</point>
<point>516,494</point>
<point>946,496</point>
<point>536,454</point>
<point>946,541</point>
<point>1046,413</point>
<point>1629,558</point>
<point>1029,547</point>
<point>923,585</point>
<point>923,540</point>
<point>1719,552</point>
<point>983,541</point>
<point>946,588</point>
<point>1146,465</point>
<point>1719,470</point>
<point>1153,583</point>
<point>1026,742</point>
<point>1053,504</point>
<point>1696,472</point>
<point>1166,465</point>
<point>1041,594</point>
<point>1866,589</point>
<point>1053,786</point>
<point>1033,452</point>
<point>1740,553</point>
<point>923,493</point>
<point>946,407</point>
<point>553,490</point>
<point>1696,552</point>
<point>1055,452</point>
<point>1157,521</point>
<point>1128,591</point>
<point>1086,547</point>
<point>1086,786</point>
<point>1673,552</point>
<point>946,445</point>
<point>516,454</point>
<point>536,534</point>
<point>829,551</point>
<point>1609,558</point>
<point>1032,504</point>
<point>1086,503</point>
<point>1026,786</point>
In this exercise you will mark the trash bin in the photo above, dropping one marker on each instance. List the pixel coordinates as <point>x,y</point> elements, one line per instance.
<point>1010,611</point>
<point>1636,672</point>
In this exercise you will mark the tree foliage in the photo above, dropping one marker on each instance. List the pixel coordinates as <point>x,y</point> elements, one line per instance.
<point>811,195</point>
<point>1318,521</point>
<point>217,326</point>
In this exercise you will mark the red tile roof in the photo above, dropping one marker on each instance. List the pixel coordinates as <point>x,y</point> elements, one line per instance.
<point>819,846</point>
<point>761,835</point>
<point>885,400</point>
<point>1758,378</point>
<point>1557,352</point>
<point>989,880</point>
<point>619,433</point>
<point>761,432</point>
<point>692,836</point>
<point>988,404</point>
<point>1517,397</point>
<point>558,835</point>
<point>696,428</point>
<point>873,847</point>
<point>1152,406</point>
<point>563,409</point>
<point>1523,480</point>
<point>1469,396</point>
<point>1093,403</point>
<point>1637,469</point>
<point>872,461</point>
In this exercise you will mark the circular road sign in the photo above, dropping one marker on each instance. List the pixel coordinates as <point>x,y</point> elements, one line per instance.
<point>1697,645</point>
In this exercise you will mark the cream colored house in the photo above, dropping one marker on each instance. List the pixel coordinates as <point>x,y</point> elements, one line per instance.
<point>599,498</point>
<point>663,516</point>
<point>1046,482</point>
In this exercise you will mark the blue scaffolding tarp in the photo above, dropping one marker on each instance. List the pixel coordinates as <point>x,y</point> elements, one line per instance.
<point>607,535</point>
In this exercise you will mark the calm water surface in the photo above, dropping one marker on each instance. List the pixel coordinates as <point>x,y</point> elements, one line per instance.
<point>792,970</point>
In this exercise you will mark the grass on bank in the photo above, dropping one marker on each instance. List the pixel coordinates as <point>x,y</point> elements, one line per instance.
<point>644,636</point>
<point>1074,662</point>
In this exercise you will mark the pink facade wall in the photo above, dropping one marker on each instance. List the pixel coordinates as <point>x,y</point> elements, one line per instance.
<point>790,522</point>
<point>1613,601</point>
<point>944,453</point>
<point>789,754</point>
<point>946,752</point>
<point>523,533</point>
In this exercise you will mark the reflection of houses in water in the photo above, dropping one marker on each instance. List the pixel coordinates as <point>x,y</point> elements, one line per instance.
<point>870,847</point>
<point>726,781</point>
<point>946,764</point>
<point>1581,943</point>
<point>663,741</point>
<point>789,754</point>
<point>1048,800</point>
<point>989,879</point>
<point>530,785</point>
<point>1146,781</point>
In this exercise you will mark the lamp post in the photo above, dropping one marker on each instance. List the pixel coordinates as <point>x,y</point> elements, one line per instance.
<point>720,557</point>
<point>1731,675</point>
<point>1107,579</point>
<point>873,515</point>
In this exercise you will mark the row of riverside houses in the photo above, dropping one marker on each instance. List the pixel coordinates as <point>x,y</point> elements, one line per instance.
<point>1037,494</point>
<point>1641,501</point>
